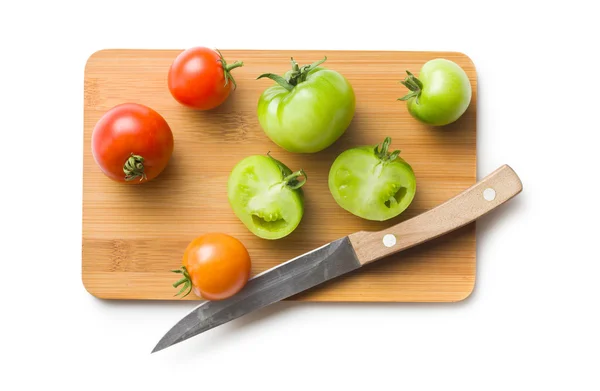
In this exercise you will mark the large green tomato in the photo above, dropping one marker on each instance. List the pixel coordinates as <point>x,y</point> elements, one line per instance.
<point>372,183</point>
<point>309,108</point>
<point>266,196</point>
<point>440,95</point>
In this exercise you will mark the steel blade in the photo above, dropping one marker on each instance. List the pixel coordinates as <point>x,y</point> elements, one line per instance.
<point>282,281</point>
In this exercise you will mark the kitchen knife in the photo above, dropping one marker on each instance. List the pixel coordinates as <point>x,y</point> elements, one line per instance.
<point>347,254</point>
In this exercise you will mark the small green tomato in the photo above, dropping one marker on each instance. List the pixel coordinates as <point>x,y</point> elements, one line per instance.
<point>440,95</point>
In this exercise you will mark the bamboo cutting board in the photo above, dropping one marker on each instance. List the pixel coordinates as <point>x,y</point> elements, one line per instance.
<point>134,235</point>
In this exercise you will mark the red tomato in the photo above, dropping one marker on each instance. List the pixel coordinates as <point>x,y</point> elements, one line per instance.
<point>200,78</point>
<point>215,266</point>
<point>132,143</point>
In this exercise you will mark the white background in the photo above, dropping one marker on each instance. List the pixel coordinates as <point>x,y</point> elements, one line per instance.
<point>532,321</point>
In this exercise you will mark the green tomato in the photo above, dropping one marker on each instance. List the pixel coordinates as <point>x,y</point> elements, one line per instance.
<point>440,95</point>
<point>371,183</point>
<point>266,196</point>
<point>309,108</point>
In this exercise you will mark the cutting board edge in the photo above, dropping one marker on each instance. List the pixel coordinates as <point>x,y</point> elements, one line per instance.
<point>463,296</point>
<point>436,52</point>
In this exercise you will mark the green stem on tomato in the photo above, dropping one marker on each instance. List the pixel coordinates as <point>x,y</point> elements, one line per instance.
<point>292,180</point>
<point>186,281</point>
<point>297,76</point>
<point>227,69</point>
<point>236,64</point>
<point>383,152</point>
<point>134,168</point>
<point>414,85</point>
<point>278,79</point>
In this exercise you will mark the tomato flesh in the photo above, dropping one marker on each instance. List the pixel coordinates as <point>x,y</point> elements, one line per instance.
<point>262,200</point>
<point>369,187</point>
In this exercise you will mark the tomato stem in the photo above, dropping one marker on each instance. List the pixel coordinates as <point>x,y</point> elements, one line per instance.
<point>383,152</point>
<point>186,281</point>
<point>278,79</point>
<point>296,76</point>
<point>134,168</point>
<point>236,64</point>
<point>227,69</point>
<point>414,85</point>
<point>292,180</point>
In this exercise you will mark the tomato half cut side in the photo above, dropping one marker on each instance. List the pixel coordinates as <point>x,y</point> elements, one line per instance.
<point>372,183</point>
<point>267,196</point>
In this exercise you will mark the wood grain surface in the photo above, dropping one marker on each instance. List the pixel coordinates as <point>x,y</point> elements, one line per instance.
<point>134,235</point>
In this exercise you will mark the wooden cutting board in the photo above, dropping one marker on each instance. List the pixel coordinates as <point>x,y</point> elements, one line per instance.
<point>134,235</point>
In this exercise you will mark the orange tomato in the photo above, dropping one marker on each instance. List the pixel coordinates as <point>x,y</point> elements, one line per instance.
<point>215,266</point>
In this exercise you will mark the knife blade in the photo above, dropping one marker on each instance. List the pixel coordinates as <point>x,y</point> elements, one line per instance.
<point>347,254</point>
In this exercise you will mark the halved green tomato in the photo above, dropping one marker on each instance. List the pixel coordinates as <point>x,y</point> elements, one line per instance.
<point>372,183</point>
<point>266,196</point>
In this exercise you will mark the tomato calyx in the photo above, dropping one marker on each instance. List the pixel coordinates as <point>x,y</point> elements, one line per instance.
<point>383,154</point>
<point>295,180</point>
<point>296,76</point>
<point>227,69</point>
<point>186,281</point>
<point>134,168</point>
<point>414,85</point>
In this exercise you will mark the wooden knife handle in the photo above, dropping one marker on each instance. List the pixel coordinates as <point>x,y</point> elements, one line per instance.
<point>491,192</point>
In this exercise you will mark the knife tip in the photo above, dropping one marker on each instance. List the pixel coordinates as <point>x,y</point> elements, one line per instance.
<point>167,341</point>
<point>160,346</point>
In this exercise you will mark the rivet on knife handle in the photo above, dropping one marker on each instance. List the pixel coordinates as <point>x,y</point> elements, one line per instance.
<point>489,193</point>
